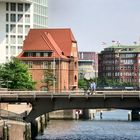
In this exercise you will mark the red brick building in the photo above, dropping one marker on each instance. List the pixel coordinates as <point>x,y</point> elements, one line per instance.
<point>54,49</point>
<point>121,63</point>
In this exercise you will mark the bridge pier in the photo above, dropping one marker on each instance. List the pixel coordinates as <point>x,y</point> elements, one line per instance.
<point>85,114</point>
<point>135,116</point>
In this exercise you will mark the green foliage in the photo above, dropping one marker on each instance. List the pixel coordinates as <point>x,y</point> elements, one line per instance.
<point>84,83</point>
<point>14,75</point>
<point>49,78</point>
<point>101,82</point>
<point>111,82</point>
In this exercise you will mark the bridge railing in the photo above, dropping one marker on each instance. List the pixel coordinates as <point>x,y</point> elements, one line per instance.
<point>35,94</point>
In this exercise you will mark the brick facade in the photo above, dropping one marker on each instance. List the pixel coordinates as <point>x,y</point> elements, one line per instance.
<point>121,63</point>
<point>53,49</point>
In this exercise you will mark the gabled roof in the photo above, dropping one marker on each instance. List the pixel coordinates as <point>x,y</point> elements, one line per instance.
<point>58,40</point>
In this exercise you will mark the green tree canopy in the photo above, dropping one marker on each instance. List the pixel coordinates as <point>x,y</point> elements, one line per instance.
<point>14,75</point>
<point>104,81</point>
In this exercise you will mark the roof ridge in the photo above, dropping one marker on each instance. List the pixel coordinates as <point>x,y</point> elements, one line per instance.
<point>58,50</point>
<point>46,42</point>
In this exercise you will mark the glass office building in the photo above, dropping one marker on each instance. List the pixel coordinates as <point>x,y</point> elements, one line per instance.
<point>17,17</point>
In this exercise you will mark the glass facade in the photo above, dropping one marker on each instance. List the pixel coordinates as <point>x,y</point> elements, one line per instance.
<point>19,18</point>
<point>40,13</point>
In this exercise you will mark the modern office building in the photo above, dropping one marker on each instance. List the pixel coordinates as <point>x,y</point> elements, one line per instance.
<point>88,65</point>
<point>121,63</point>
<point>16,18</point>
<point>54,50</point>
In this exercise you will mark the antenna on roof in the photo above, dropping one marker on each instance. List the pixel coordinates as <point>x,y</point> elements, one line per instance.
<point>103,44</point>
<point>135,42</point>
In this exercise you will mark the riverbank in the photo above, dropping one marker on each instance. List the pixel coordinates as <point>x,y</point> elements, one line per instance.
<point>14,130</point>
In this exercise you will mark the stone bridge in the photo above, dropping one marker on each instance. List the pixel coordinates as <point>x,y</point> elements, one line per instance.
<point>45,102</point>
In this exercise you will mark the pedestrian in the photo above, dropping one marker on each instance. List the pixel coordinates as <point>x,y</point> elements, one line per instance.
<point>93,87</point>
<point>101,114</point>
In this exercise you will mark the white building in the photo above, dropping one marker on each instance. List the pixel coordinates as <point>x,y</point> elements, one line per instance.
<point>16,18</point>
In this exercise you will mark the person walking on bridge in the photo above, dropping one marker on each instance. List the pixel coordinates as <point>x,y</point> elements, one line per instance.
<point>93,87</point>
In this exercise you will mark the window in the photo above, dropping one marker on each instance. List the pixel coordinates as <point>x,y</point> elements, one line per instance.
<point>75,78</point>
<point>44,88</point>
<point>7,17</point>
<point>19,49</point>
<point>7,28</point>
<point>45,65</point>
<point>30,64</point>
<point>30,54</point>
<point>13,28</point>
<point>38,54</point>
<point>7,6</point>
<point>20,17</point>
<point>46,54</point>
<point>27,28</point>
<point>27,6</point>
<point>27,18</point>
<point>7,59</point>
<point>13,18</point>
<point>7,40</point>
<point>7,50</point>
<point>13,50</point>
<point>20,7</point>
<point>20,29</point>
<point>12,39</point>
<point>13,7</point>
<point>20,39</point>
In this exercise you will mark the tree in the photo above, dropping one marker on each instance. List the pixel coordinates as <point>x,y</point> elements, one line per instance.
<point>84,83</point>
<point>104,81</point>
<point>49,78</point>
<point>14,75</point>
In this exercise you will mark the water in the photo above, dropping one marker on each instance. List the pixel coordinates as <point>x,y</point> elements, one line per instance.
<point>113,126</point>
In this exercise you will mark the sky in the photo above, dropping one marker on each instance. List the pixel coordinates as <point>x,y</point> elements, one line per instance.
<point>97,22</point>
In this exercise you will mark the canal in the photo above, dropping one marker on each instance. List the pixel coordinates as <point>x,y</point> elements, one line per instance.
<point>113,126</point>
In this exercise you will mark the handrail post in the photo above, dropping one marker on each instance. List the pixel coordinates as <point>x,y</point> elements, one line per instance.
<point>17,96</point>
<point>69,95</point>
<point>122,96</point>
<point>52,96</point>
<point>34,95</point>
<point>104,96</point>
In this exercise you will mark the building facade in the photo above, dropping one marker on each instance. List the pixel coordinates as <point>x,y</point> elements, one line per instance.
<point>88,65</point>
<point>54,50</point>
<point>121,63</point>
<point>17,17</point>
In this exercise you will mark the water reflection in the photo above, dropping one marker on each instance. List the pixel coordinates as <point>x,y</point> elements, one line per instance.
<point>113,126</point>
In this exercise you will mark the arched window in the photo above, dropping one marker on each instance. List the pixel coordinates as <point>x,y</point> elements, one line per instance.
<point>75,78</point>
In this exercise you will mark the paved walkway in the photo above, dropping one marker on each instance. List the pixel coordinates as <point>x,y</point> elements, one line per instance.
<point>18,108</point>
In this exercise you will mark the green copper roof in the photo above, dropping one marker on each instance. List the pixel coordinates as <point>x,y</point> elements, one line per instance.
<point>123,48</point>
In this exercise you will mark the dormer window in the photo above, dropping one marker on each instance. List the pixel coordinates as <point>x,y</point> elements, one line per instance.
<point>37,54</point>
<point>46,54</point>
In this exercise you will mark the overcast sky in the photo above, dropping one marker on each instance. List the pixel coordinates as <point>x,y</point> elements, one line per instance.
<point>96,21</point>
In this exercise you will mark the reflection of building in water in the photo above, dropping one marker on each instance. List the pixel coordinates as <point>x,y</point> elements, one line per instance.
<point>88,65</point>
